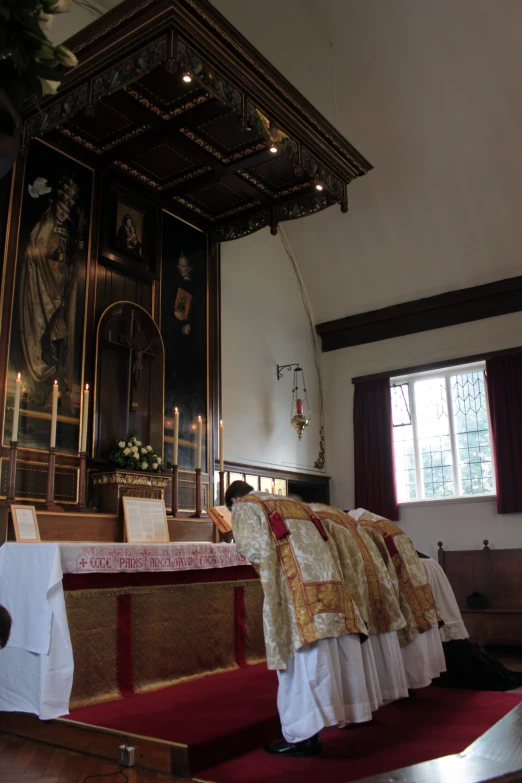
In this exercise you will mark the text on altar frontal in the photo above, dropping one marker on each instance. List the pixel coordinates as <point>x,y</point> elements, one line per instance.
<point>107,558</point>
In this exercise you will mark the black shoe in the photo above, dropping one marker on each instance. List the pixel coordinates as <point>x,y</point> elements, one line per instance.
<point>308,747</point>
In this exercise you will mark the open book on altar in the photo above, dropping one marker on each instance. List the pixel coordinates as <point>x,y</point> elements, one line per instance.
<point>221,517</point>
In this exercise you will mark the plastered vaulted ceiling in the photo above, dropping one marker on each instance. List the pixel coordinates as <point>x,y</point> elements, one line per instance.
<point>430,93</point>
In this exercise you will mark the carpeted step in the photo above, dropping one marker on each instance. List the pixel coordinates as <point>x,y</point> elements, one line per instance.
<point>218,717</point>
<point>437,723</point>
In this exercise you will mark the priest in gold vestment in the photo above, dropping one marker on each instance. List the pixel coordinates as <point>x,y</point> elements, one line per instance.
<point>421,647</point>
<point>375,594</point>
<point>314,631</point>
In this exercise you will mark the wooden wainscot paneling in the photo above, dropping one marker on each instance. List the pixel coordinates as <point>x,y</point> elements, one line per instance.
<point>64,527</point>
<point>31,482</point>
<point>497,575</point>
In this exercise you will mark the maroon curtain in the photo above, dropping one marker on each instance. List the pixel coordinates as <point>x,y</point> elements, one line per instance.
<point>373,449</point>
<point>504,379</point>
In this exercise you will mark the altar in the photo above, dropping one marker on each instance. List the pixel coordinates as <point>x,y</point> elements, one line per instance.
<point>97,622</point>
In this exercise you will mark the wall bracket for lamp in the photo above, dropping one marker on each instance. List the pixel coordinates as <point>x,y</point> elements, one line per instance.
<point>289,367</point>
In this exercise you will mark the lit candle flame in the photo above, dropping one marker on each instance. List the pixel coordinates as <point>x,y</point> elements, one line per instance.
<point>19,376</point>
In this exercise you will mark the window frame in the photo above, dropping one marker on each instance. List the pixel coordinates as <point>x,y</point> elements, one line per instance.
<point>443,372</point>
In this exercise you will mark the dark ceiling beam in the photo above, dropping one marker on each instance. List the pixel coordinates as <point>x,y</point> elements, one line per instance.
<point>422,315</point>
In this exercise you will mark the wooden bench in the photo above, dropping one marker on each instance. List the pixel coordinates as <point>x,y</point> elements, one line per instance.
<point>497,575</point>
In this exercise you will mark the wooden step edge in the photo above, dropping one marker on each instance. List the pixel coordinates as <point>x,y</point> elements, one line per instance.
<point>170,758</point>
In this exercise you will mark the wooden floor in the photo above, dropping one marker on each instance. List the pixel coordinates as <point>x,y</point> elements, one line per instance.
<point>24,760</point>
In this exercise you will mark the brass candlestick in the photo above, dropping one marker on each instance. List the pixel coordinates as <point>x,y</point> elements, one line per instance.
<point>50,505</point>
<point>174,490</point>
<point>82,488</point>
<point>197,515</point>
<point>221,487</point>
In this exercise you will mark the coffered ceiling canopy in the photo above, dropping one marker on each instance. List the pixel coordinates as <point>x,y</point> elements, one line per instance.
<point>169,94</point>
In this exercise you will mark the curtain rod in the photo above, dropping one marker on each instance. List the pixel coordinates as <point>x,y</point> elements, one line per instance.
<point>479,357</point>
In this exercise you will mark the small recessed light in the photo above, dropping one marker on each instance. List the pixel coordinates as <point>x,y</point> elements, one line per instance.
<point>273,148</point>
<point>187,77</point>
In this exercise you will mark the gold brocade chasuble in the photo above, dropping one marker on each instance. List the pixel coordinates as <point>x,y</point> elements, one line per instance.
<point>416,598</point>
<point>364,571</point>
<point>305,595</point>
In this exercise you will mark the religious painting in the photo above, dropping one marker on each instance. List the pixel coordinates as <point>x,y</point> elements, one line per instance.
<point>129,229</point>
<point>184,330</point>
<point>47,328</point>
<point>129,235</point>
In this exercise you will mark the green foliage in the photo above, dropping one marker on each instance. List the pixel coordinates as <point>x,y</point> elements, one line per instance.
<point>30,65</point>
<point>132,454</point>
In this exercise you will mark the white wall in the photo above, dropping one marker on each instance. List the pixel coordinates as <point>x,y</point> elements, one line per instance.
<point>293,37</point>
<point>263,324</point>
<point>427,93</point>
<point>263,321</point>
<point>459,524</point>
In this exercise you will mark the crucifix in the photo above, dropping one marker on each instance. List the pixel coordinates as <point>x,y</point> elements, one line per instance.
<point>139,346</point>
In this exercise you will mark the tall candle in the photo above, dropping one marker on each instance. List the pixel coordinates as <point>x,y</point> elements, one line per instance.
<point>299,406</point>
<point>221,447</point>
<point>85,418</point>
<point>176,437</point>
<point>54,415</point>
<point>198,437</point>
<point>16,412</point>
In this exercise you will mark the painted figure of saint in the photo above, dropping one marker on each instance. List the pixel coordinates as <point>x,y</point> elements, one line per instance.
<point>48,293</point>
<point>127,236</point>
<point>185,358</point>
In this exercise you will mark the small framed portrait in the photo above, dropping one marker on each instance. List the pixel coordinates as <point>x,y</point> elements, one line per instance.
<point>130,232</point>
<point>25,524</point>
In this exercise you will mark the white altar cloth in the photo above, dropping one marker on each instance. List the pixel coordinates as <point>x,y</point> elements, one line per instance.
<point>36,666</point>
<point>131,558</point>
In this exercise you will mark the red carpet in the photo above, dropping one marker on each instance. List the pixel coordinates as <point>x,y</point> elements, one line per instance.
<point>219,716</point>
<point>225,715</point>
<point>437,723</point>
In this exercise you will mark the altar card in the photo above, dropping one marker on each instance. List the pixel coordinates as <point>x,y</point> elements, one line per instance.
<point>25,524</point>
<point>145,521</point>
<point>221,517</point>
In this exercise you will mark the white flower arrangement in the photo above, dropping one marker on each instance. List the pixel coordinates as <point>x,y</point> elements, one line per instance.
<point>133,455</point>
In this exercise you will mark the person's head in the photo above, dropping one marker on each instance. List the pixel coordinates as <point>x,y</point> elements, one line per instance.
<point>236,491</point>
<point>5,626</point>
<point>184,267</point>
<point>61,211</point>
<point>128,221</point>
